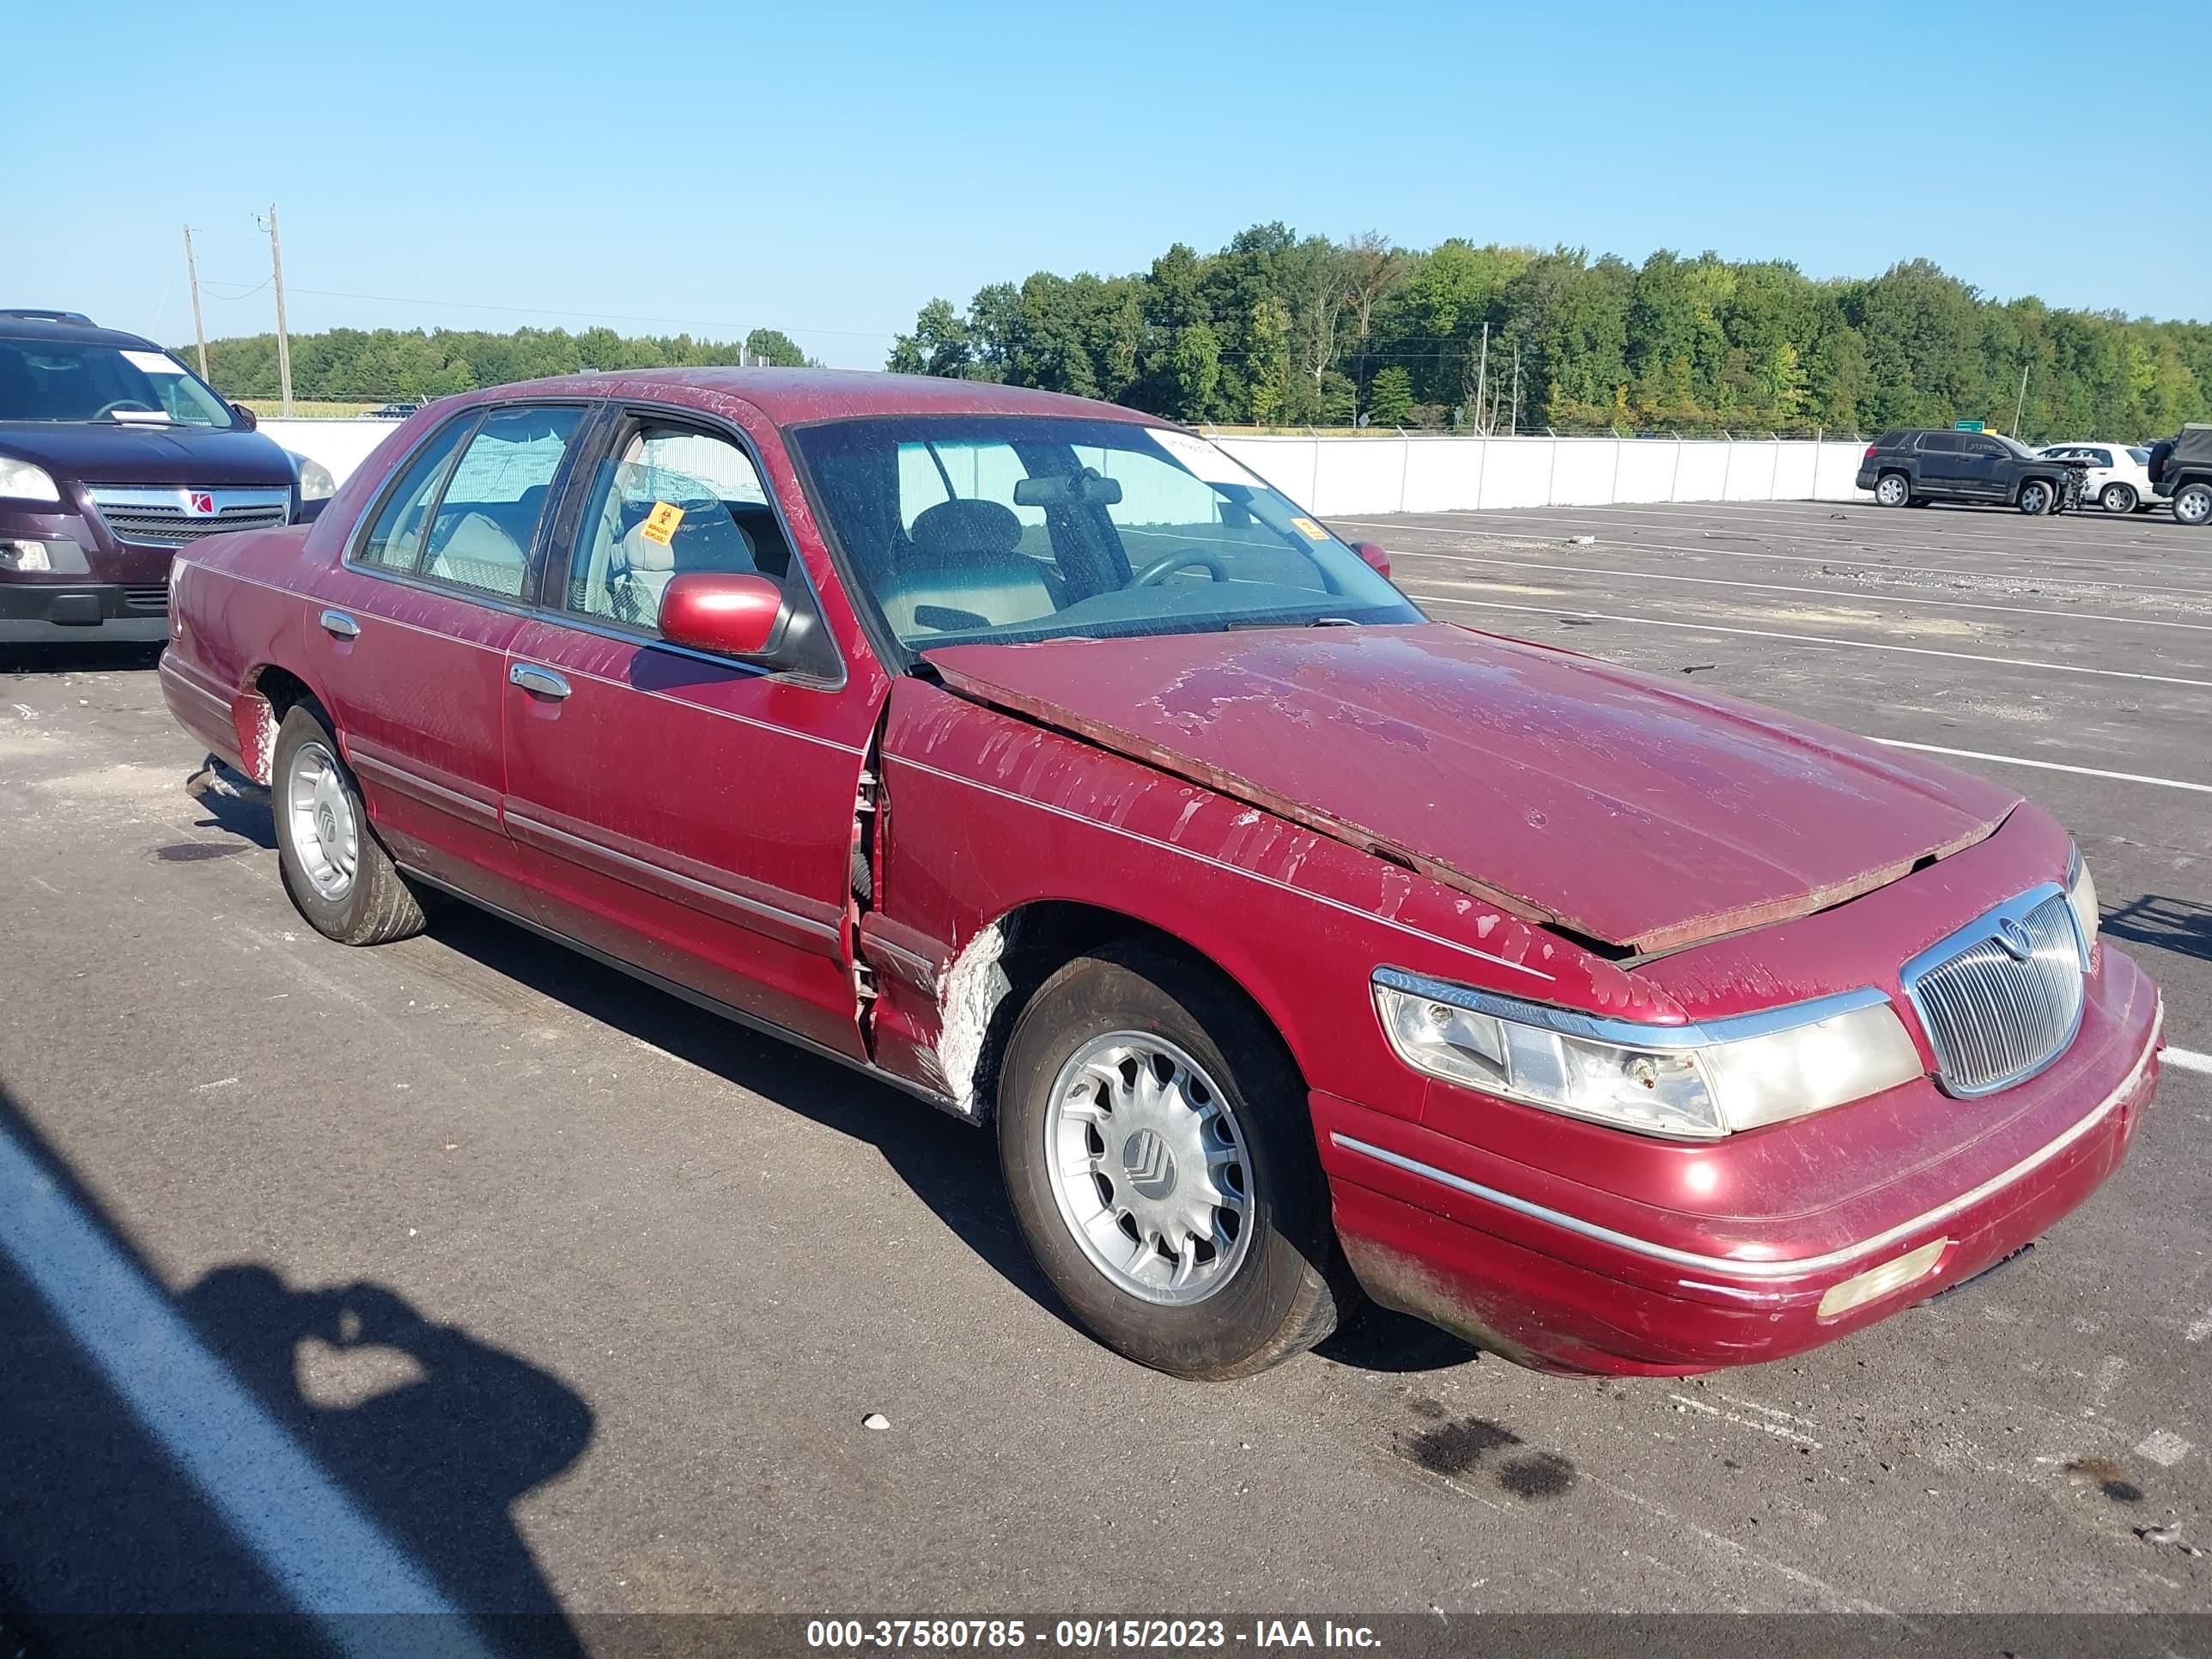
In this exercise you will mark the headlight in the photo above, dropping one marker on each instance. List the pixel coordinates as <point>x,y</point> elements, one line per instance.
<point>316,483</point>
<point>26,483</point>
<point>1692,1082</point>
<point>2081,894</point>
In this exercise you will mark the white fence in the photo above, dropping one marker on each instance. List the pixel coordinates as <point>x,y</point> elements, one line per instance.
<point>1341,476</point>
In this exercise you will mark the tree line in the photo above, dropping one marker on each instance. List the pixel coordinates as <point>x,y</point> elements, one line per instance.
<point>1276,329</point>
<point>352,365</point>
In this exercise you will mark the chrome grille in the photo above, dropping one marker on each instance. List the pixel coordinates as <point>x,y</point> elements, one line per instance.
<point>2000,998</point>
<point>166,516</point>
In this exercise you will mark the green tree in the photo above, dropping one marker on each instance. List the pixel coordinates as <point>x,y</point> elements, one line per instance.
<point>1390,396</point>
<point>1197,372</point>
<point>773,347</point>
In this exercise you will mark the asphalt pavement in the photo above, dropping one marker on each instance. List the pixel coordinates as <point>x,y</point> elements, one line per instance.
<point>581,1295</point>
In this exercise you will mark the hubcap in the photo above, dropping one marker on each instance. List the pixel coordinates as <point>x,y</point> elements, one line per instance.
<point>1148,1167</point>
<point>2035,499</point>
<point>324,833</point>
<point>1891,491</point>
<point>2120,499</point>
<point>2194,507</point>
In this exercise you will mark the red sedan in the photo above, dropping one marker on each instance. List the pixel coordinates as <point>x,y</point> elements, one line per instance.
<point>1033,756</point>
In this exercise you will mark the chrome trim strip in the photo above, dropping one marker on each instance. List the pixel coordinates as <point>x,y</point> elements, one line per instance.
<point>1089,822</point>
<point>1800,1266</point>
<point>523,821</point>
<point>1632,1033</point>
<point>177,496</point>
<point>408,782</point>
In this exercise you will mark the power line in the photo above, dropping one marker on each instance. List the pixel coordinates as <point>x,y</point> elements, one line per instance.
<point>596,316</point>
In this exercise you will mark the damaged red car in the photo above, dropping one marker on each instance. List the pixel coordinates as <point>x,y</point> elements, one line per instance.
<point>1035,757</point>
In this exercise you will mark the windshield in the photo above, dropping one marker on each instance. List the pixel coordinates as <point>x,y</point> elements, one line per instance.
<point>83,381</point>
<point>2142,456</point>
<point>2014,445</point>
<point>964,528</point>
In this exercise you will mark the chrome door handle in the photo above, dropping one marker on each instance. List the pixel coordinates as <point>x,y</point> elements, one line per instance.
<point>339,626</point>
<point>542,681</point>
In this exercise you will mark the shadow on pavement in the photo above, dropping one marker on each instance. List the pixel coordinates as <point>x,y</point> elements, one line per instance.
<point>87,658</point>
<point>141,1512</point>
<point>2181,926</point>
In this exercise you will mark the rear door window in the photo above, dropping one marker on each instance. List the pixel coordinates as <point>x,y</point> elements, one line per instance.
<point>488,518</point>
<point>1941,443</point>
<point>394,541</point>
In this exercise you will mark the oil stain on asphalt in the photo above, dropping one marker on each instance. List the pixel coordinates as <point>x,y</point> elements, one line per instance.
<point>1458,1448</point>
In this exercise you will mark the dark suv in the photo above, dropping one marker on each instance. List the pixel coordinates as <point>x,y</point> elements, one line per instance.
<point>2181,472</point>
<point>113,455</point>
<point>1915,466</point>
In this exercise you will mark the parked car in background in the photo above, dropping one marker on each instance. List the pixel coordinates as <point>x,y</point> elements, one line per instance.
<point>1031,756</point>
<point>112,456</point>
<point>2181,472</point>
<point>393,412</point>
<point>1914,466</point>
<point>2116,477</point>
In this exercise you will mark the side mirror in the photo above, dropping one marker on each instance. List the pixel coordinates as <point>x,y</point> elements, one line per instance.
<point>246,416</point>
<point>732,616</point>
<point>1376,558</point>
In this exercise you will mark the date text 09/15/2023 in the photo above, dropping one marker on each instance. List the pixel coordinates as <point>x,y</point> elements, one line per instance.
<point>956,1635</point>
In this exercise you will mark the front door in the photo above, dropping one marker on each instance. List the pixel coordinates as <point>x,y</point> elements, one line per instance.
<point>689,815</point>
<point>411,649</point>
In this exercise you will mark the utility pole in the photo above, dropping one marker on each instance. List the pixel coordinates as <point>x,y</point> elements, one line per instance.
<point>284,340</point>
<point>1517,393</point>
<point>192,275</point>
<point>1482,372</point>
<point>2020,408</point>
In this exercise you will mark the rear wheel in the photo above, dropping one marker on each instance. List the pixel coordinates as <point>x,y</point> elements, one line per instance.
<point>2193,504</point>
<point>2118,498</point>
<point>2037,497</point>
<point>1892,490</point>
<point>336,871</point>
<point>1159,1159</point>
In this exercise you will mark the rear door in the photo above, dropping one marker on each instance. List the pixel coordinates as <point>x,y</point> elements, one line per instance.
<point>691,815</point>
<point>411,648</point>
<point>1943,464</point>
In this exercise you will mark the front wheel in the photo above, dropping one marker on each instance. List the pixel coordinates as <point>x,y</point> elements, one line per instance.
<point>2118,498</point>
<point>2036,497</point>
<point>337,873</point>
<point>1891,489</point>
<point>1157,1150</point>
<point>2193,504</point>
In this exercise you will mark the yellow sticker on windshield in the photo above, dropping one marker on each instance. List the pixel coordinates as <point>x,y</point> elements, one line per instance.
<point>1310,530</point>
<point>660,524</point>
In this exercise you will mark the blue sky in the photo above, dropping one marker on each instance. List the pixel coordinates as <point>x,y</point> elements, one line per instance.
<point>826,167</point>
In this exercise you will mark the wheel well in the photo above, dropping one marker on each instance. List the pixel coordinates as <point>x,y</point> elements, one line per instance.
<point>1039,940</point>
<point>280,688</point>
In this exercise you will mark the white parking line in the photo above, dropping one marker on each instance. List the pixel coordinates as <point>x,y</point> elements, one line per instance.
<point>1813,533</point>
<point>1922,601</point>
<point>1523,539</point>
<point>1877,522</point>
<point>2044,766</point>
<point>2189,1060</point>
<point>1819,639</point>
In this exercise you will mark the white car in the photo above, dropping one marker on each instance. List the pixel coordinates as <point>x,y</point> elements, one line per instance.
<point>2119,481</point>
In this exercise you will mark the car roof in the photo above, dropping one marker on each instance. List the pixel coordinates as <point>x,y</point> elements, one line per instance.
<point>789,397</point>
<point>47,328</point>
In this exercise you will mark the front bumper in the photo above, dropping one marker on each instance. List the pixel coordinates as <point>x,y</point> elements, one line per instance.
<point>1433,1230</point>
<point>48,612</point>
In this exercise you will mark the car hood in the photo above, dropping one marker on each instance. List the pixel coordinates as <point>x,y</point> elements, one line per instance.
<point>100,454</point>
<point>1612,805</point>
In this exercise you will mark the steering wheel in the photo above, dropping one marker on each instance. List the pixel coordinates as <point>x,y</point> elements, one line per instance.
<point>1183,559</point>
<point>107,409</point>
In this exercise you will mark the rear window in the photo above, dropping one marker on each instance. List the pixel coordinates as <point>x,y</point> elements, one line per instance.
<point>1891,440</point>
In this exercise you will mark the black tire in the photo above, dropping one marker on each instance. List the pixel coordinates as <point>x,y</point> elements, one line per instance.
<point>1892,489</point>
<point>2193,504</point>
<point>2036,498</point>
<point>1285,1290</point>
<point>376,905</point>
<point>2118,498</point>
